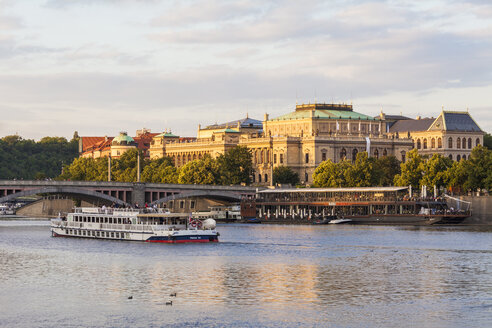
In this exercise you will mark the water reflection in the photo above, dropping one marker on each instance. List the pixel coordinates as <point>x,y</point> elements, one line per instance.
<point>271,271</point>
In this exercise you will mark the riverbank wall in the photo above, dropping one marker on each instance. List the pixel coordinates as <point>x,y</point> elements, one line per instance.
<point>481,209</point>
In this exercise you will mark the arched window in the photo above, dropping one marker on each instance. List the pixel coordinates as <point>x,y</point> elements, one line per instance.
<point>463,144</point>
<point>433,143</point>
<point>261,156</point>
<point>385,152</point>
<point>259,177</point>
<point>403,154</point>
<point>267,159</point>
<point>354,154</point>
<point>458,158</point>
<point>179,160</point>
<point>450,157</point>
<point>458,143</point>
<point>477,142</point>
<point>189,157</point>
<point>376,153</point>
<point>425,143</point>
<point>253,178</point>
<point>266,177</point>
<point>306,177</point>
<point>439,143</point>
<point>464,156</point>
<point>343,153</point>
<point>469,143</point>
<point>419,145</point>
<point>194,156</point>
<point>307,157</point>
<point>450,142</point>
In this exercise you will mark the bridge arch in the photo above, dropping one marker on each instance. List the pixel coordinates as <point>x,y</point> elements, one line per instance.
<point>62,190</point>
<point>200,193</point>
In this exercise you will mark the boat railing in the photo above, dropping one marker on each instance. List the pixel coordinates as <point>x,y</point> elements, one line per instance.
<point>119,210</point>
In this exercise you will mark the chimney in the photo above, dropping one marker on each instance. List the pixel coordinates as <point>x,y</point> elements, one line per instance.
<point>266,117</point>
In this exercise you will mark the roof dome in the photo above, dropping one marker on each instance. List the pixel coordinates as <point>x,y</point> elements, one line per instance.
<point>123,139</point>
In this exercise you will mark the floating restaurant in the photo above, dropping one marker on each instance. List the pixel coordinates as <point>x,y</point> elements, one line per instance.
<point>383,205</point>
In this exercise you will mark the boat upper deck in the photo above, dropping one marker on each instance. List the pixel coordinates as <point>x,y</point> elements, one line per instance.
<point>334,194</point>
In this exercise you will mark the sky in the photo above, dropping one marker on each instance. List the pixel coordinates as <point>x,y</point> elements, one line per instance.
<point>104,66</point>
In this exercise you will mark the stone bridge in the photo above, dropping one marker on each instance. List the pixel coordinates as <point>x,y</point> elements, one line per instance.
<point>122,193</point>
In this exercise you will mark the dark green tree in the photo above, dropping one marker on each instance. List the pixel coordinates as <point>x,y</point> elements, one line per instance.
<point>384,170</point>
<point>235,166</point>
<point>359,174</point>
<point>487,141</point>
<point>284,174</point>
<point>201,171</point>
<point>435,171</point>
<point>411,170</point>
<point>479,169</point>
<point>160,170</point>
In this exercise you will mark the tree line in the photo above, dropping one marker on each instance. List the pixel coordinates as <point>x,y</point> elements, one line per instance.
<point>27,159</point>
<point>234,167</point>
<point>471,174</point>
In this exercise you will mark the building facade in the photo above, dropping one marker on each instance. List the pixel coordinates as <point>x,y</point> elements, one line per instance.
<point>452,134</point>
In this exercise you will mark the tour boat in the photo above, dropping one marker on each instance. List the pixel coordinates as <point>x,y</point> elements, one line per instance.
<point>364,205</point>
<point>152,225</point>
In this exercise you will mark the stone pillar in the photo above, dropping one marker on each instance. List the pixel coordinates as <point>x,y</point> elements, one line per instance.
<point>138,193</point>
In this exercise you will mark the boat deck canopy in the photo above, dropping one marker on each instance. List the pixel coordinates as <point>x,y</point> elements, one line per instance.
<point>358,189</point>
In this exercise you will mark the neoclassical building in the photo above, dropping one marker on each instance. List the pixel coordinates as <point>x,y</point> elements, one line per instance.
<point>452,134</point>
<point>300,140</point>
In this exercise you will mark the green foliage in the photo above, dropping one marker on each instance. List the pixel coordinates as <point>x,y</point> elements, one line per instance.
<point>331,175</point>
<point>160,170</point>
<point>487,141</point>
<point>360,173</point>
<point>456,175</point>
<point>384,170</point>
<point>284,174</point>
<point>479,169</point>
<point>363,173</point>
<point>201,171</point>
<point>27,159</point>
<point>235,166</point>
<point>411,170</point>
<point>435,171</point>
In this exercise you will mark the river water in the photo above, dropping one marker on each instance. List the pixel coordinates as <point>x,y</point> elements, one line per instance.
<point>257,276</point>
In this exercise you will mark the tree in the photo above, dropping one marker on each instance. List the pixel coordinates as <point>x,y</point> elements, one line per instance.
<point>384,170</point>
<point>329,174</point>
<point>456,175</point>
<point>435,171</point>
<point>160,170</point>
<point>479,169</point>
<point>487,141</point>
<point>235,166</point>
<point>26,159</point>
<point>284,174</point>
<point>201,171</point>
<point>411,170</point>
<point>360,173</point>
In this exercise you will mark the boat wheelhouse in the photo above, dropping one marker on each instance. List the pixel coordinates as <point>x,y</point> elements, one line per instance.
<point>384,205</point>
<point>135,225</point>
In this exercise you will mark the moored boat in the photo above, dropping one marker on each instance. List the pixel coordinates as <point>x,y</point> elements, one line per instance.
<point>135,225</point>
<point>369,205</point>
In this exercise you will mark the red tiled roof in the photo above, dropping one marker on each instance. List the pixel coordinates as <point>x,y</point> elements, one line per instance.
<point>89,141</point>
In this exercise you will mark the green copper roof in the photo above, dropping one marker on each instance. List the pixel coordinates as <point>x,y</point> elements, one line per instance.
<point>325,114</point>
<point>123,137</point>
<point>229,131</point>
<point>167,134</point>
